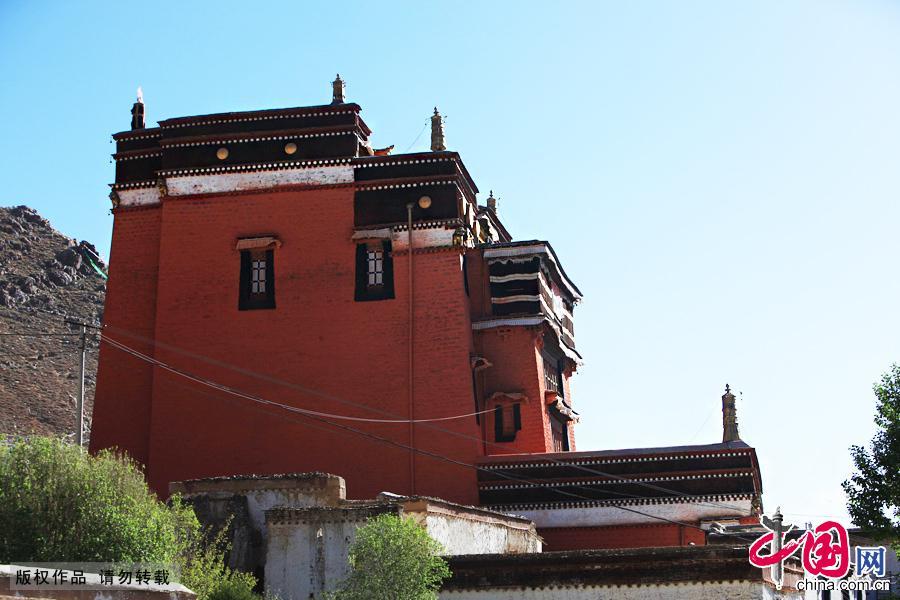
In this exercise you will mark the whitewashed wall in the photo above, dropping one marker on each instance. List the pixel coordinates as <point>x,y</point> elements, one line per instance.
<point>689,591</point>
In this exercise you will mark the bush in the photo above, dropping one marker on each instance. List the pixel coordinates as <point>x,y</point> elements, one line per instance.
<point>203,569</point>
<point>232,589</point>
<point>58,503</point>
<point>393,558</point>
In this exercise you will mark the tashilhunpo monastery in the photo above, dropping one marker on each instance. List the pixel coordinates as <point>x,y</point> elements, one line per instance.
<point>304,331</point>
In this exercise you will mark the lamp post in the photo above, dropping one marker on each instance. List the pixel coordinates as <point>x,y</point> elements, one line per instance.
<point>424,203</point>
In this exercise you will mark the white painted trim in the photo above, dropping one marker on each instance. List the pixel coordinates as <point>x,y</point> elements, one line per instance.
<point>513,277</point>
<point>519,298</point>
<point>256,180</point>
<point>508,322</point>
<point>273,166</point>
<point>138,196</point>
<point>383,233</point>
<point>432,237</point>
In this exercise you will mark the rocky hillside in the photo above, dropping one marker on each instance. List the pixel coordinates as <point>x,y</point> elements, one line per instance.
<point>45,278</point>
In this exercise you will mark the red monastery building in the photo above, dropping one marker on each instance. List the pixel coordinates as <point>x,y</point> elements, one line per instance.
<point>285,298</point>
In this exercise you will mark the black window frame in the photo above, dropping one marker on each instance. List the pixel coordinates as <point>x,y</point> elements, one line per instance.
<point>499,434</point>
<point>554,369</point>
<point>562,422</point>
<point>365,292</point>
<point>247,300</point>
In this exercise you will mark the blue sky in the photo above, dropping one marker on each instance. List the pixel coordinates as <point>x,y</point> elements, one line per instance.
<point>721,179</point>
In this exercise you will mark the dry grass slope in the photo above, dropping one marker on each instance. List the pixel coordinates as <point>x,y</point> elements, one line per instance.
<point>44,279</point>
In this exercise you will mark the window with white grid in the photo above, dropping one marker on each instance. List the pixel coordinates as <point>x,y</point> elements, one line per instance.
<point>375,267</point>
<point>258,275</point>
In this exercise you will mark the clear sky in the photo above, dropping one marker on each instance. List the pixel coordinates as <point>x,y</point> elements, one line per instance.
<point>720,178</point>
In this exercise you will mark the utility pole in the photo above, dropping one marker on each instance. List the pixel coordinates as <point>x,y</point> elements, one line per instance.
<point>776,525</point>
<point>82,345</point>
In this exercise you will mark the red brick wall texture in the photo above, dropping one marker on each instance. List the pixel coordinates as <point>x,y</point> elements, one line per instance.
<point>173,293</point>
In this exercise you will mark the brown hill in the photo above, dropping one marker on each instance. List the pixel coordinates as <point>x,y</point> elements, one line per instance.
<point>45,278</point>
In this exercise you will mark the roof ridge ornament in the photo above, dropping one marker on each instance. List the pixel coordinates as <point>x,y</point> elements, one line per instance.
<point>437,132</point>
<point>337,90</point>
<point>492,202</point>
<point>137,111</point>
<point>729,417</point>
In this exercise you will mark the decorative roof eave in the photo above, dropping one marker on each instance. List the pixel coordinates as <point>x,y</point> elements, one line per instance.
<point>138,134</point>
<point>679,571</point>
<point>406,182</point>
<point>600,457</point>
<point>361,162</point>
<point>524,248</point>
<point>259,136</point>
<point>137,154</point>
<point>419,157</point>
<point>133,185</point>
<point>412,182</point>
<point>621,502</point>
<point>614,481</point>
<point>262,115</point>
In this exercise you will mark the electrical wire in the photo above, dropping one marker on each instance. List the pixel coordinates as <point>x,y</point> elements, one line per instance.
<point>105,338</point>
<point>304,411</point>
<point>330,397</point>
<point>318,393</point>
<point>417,137</point>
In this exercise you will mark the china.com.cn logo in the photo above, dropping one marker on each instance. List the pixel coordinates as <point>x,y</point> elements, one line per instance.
<point>824,550</point>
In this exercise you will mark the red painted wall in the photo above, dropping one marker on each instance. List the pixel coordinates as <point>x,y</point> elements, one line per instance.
<point>633,536</point>
<point>515,360</point>
<point>124,384</point>
<point>318,339</point>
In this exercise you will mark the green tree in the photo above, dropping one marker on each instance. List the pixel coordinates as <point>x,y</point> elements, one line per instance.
<point>393,558</point>
<point>873,491</point>
<point>204,572</point>
<point>60,504</point>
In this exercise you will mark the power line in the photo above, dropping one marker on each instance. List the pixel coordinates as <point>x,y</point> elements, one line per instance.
<point>296,409</point>
<point>331,397</point>
<point>265,402</point>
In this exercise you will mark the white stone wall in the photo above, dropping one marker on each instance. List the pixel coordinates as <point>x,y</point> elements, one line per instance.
<point>305,559</point>
<point>463,536</point>
<point>682,591</point>
<point>309,555</point>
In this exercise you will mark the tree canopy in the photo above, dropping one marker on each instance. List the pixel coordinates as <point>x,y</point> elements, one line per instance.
<point>873,491</point>
<point>58,503</point>
<point>393,558</point>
